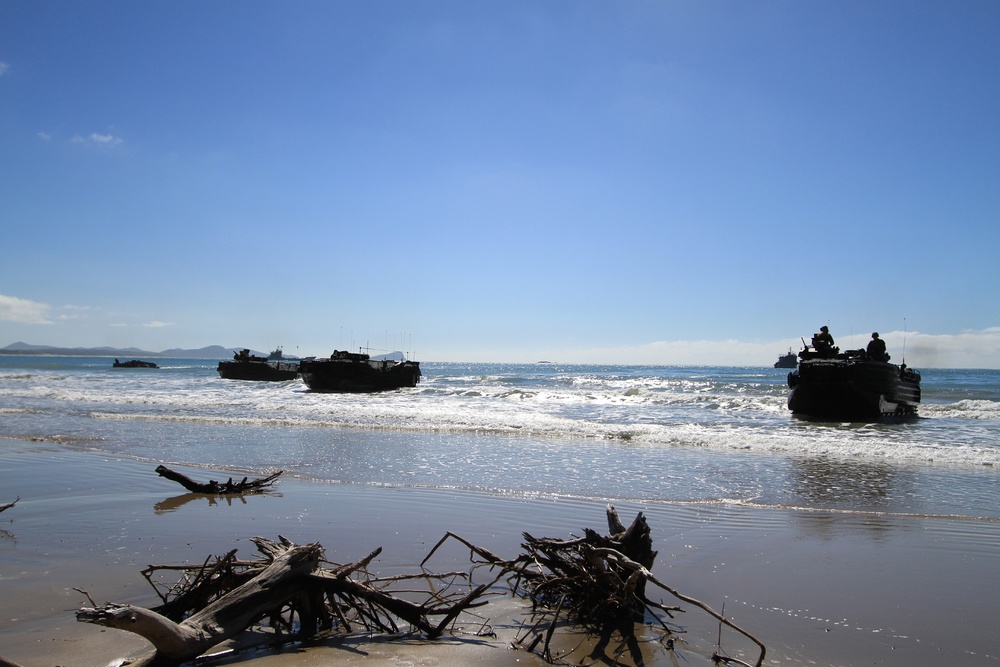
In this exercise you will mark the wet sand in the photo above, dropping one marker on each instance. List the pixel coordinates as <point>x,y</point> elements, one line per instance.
<point>818,588</point>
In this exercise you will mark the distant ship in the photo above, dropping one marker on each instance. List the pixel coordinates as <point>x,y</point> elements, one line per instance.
<point>247,366</point>
<point>789,360</point>
<point>357,372</point>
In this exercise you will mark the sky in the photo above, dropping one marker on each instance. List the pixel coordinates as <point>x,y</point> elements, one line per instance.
<point>578,181</point>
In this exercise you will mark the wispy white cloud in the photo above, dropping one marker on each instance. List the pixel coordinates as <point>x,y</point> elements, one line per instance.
<point>4,67</point>
<point>157,325</point>
<point>98,139</point>
<point>23,311</point>
<point>45,136</point>
<point>72,312</point>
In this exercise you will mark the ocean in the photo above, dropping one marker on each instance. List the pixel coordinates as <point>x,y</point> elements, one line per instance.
<point>629,433</point>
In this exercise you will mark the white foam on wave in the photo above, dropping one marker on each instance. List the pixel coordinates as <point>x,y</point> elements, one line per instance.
<point>648,408</point>
<point>849,442</point>
<point>964,409</point>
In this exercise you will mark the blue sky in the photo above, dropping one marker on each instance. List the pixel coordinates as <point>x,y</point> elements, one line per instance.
<point>576,181</point>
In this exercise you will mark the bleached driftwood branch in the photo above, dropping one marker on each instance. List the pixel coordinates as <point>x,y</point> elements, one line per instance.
<point>222,619</point>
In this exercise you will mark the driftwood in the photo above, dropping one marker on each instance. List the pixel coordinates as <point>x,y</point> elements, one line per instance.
<point>291,589</point>
<point>595,583</point>
<point>223,618</point>
<point>215,488</point>
<point>7,535</point>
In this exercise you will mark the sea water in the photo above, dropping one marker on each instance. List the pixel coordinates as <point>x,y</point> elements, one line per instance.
<point>648,434</point>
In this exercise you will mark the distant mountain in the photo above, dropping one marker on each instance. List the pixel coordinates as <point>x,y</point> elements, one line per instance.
<point>391,356</point>
<point>210,352</point>
<point>25,346</point>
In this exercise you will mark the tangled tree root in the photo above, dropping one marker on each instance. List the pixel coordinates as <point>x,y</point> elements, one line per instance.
<point>597,583</point>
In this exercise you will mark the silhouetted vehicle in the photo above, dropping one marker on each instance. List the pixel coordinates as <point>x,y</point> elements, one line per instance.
<point>134,363</point>
<point>851,386</point>
<point>357,372</point>
<point>246,366</point>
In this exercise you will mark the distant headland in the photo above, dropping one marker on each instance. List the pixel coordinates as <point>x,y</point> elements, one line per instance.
<point>210,352</point>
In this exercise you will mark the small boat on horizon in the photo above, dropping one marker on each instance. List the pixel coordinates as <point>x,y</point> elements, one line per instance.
<point>134,363</point>
<point>358,372</point>
<point>247,366</point>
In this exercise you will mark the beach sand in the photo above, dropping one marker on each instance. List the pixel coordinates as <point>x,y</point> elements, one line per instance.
<point>818,588</point>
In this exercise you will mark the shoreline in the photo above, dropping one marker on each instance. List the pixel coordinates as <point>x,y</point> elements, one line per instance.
<point>818,588</point>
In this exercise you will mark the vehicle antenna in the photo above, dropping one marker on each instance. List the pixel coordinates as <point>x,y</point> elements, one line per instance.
<point>904,341</point>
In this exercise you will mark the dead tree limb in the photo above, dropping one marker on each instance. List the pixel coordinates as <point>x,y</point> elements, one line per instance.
<point>213,487</point>
<point>221,619</point>
<point>198,586</point>
<point>486,554</point>
<point>9,505</point>
<point>290,589</point>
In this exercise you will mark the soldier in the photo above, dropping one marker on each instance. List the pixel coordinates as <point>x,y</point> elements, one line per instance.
<point>823,341</point>
<point>876,348</point>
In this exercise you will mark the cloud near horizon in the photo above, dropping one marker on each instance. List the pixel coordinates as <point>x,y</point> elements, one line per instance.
<point>968,349</point>
<point>23,311</point>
